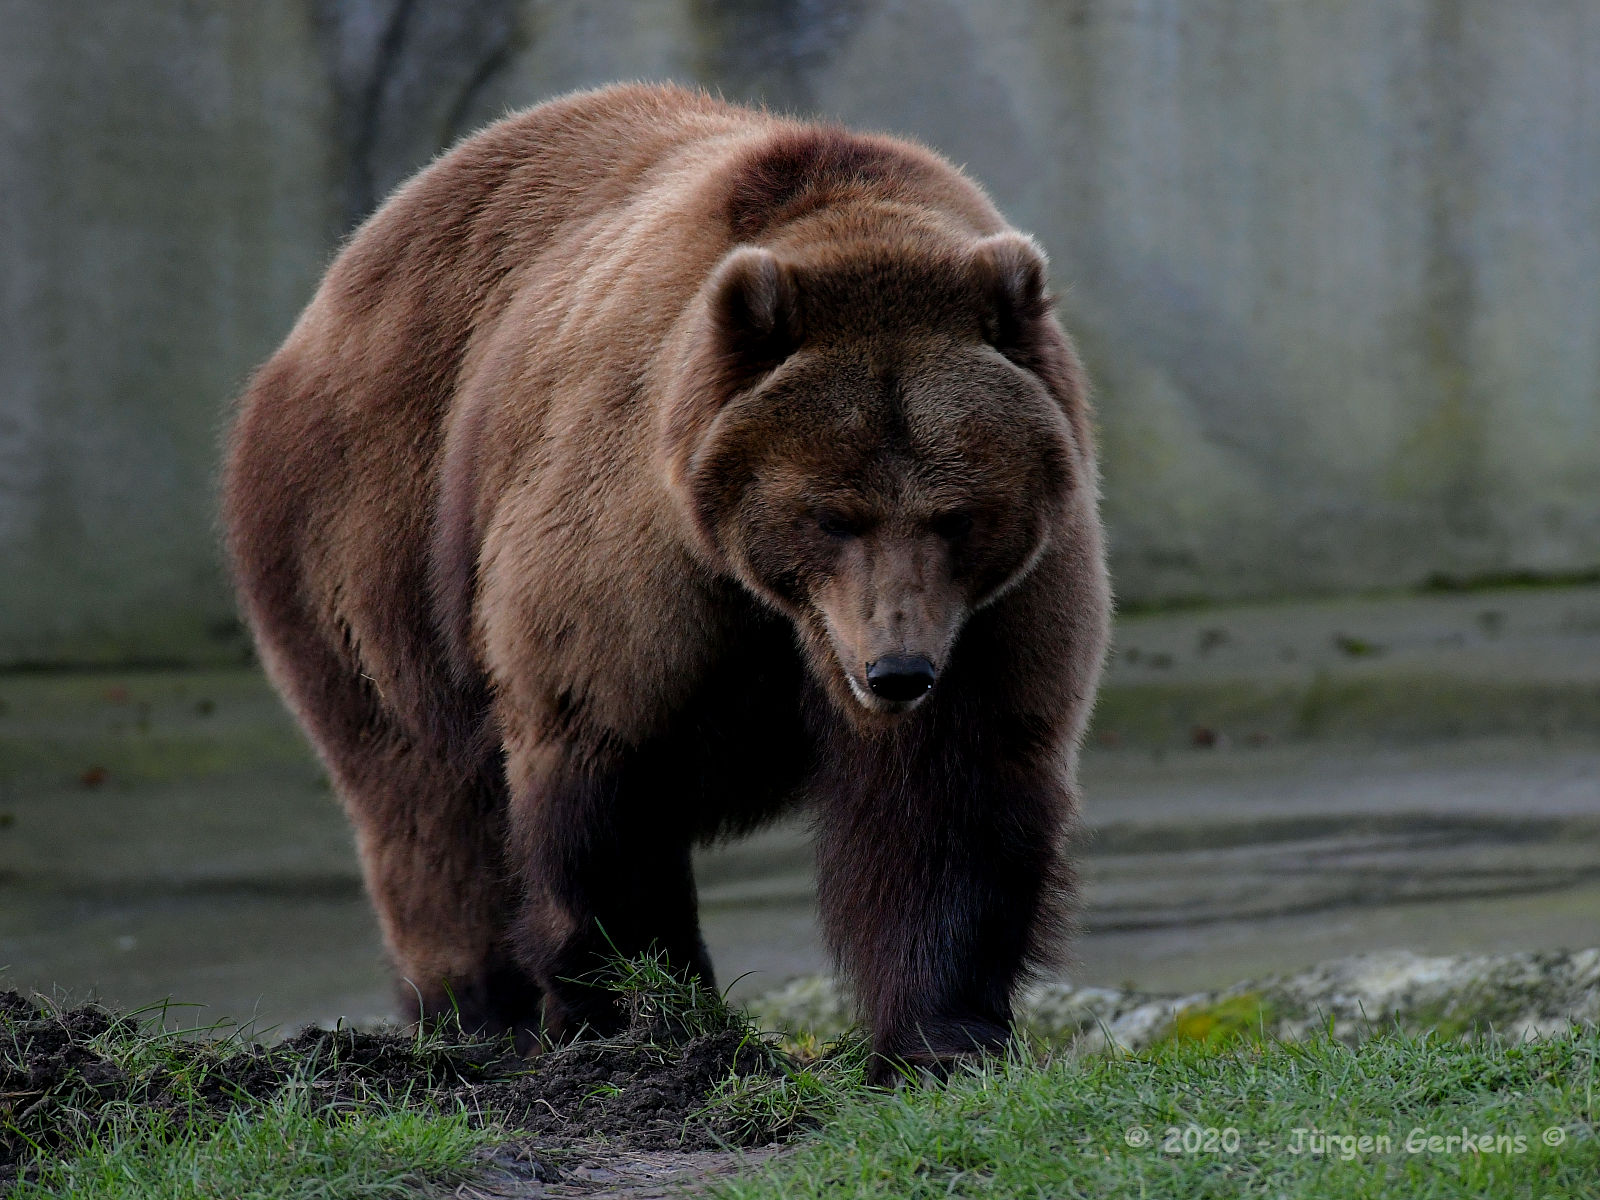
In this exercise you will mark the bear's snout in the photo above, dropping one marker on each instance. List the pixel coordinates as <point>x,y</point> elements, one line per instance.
<point>900,677</point>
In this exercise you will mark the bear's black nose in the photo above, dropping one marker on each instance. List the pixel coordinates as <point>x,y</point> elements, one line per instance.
<point>900,676</point>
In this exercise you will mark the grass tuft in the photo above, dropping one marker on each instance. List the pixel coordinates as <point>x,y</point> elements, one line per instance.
<point>771,1089</point>
<point>672,1006</point>
<point>802,1092</point>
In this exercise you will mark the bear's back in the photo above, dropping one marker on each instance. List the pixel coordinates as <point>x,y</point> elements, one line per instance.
<point>349,416</point>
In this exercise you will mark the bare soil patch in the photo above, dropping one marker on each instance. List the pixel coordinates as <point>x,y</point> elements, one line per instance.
<point>590,1118</point>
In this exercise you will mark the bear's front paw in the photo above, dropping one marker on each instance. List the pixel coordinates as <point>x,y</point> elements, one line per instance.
<point>933,1050</point>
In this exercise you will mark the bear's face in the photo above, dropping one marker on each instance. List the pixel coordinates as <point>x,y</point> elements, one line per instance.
<point>881,468</point>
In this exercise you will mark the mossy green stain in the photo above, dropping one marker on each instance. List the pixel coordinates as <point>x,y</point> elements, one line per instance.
<point>1247,1015</point>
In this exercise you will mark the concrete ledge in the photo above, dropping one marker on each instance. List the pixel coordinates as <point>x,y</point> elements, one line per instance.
<point>1516,661</point>
<point>1518,995</point>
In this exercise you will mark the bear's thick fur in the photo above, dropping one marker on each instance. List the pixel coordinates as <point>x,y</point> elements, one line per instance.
<point>633,474</point>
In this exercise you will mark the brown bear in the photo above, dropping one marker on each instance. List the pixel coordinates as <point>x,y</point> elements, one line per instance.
<point>643,468</point>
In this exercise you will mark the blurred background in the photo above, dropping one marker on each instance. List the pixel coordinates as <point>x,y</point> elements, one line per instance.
<point>1334,266</point>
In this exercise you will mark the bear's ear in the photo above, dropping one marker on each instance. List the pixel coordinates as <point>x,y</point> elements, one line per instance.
<point>1011,273</point>
<point>755,307</point>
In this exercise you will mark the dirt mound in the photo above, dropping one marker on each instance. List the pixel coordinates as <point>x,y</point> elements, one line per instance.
<point>53,1081</point>
<point>631,1090</point>
<point>66,1074</point>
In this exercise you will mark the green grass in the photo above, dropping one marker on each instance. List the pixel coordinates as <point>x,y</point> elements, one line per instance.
<point>811,1082</point>
<point>1214,1111</point>
<point>1164,1125</point>
<point>152,1110</point>
<point>280,1150</point>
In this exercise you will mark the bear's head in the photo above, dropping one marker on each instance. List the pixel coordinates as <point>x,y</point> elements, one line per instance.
<point>871,435</point>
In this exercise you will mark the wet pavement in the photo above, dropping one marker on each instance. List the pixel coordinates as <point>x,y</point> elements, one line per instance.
<point>1265,787</point>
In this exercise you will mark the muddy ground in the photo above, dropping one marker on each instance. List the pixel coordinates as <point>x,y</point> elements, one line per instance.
<point>634,1115</point>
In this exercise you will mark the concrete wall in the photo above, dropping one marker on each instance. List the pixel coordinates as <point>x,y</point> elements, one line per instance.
<point>167,200</point>
<point>1335,264</point>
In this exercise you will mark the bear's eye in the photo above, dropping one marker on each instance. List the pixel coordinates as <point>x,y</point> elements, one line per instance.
<point>952,525</point>
<point>838,525</point>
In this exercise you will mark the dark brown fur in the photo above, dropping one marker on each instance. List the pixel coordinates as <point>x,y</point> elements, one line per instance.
<point>611,451</point>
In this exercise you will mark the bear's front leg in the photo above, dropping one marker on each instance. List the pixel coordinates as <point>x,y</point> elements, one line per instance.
<point>604,856</point>
<point>940,875</point>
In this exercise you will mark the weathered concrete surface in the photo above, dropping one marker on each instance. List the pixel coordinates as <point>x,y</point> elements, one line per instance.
<point>1335,264</point>
<point>1520,996</point>
<point>1443,665</point>
<point>407,79</point>
<point>167,202</point>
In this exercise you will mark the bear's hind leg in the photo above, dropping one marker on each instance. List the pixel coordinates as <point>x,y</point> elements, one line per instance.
<point>432,856</point>
<point>429,830</point>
